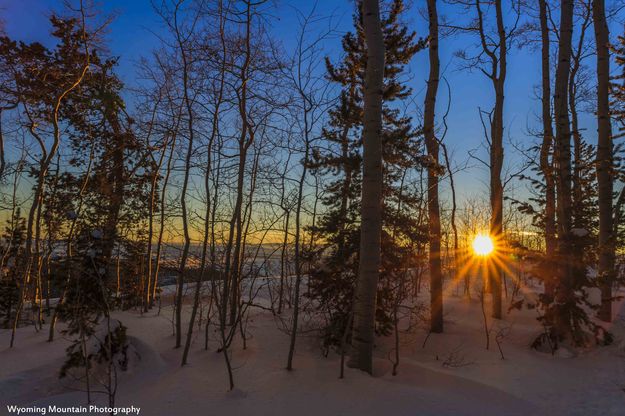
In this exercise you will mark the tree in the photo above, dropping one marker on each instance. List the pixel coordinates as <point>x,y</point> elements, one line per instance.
<point>96,338</point>
<point>546,149</point>
<point>617,89</point>
<point>491,58</point>
<point>563,293</point>
<point>309,108</point>
<point>564,316</point>
<point>604,163</point>
<point>361,356</point>
<point>42,95</point>
<point>333,277</point>
<point>431,143</point>
<point>12,246</point>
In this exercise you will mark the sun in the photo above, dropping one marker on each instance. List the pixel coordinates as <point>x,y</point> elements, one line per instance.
<point>483,245</point>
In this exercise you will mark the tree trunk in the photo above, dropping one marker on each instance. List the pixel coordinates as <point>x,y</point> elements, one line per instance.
<point>546,149</point>
<point>371,210</point>
<point>496,161</point>
<point>604,162</point>
<point>577,55</point>
<point>298,248</point>
<point>563,158</point>
<point>185,184</point>
<point>434,220</point>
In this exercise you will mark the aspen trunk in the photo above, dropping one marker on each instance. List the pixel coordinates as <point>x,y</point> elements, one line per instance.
<point>563,158</point>
<point>496,161</point>
<point>434,220</point>
<point>371,210</point>
<point>546,149</point>
<point>185,184</point>
<point>604,162</point>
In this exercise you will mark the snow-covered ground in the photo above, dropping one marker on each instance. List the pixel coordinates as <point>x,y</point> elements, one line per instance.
<point>453,374</point>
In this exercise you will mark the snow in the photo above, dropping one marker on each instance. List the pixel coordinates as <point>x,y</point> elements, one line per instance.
<point>453,374</point>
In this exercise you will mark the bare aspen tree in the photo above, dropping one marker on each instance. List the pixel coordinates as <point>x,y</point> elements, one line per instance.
<point>547,145</point>
<point>177,115</point>
<point>310,99</point>
<point>563,156</point>
<point>182,30</point>
<point>431,143</point>
<point>158,164</point>
<point>285,205</point>
<point>214,126</point>
<point>492,60</point>
<point>576,89</point>
<point>361,356</point>
<point>498,77</point>
<point>604,162</point>
<point>246,139</point>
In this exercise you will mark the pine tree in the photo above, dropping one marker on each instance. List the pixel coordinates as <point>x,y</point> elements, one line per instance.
<point>97,339</point>
<point>112,165</point>
<point>617,110</point>
<point>11,249</point>
<point>582,329</point>
<point>332,281</point>
<point>617,88</point>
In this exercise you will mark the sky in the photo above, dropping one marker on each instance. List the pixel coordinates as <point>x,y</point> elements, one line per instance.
<point>132,35</point>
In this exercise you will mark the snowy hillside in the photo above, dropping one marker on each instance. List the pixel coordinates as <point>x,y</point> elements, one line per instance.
<point>453,374</point>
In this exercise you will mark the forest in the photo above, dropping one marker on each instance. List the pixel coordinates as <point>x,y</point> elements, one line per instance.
<point>278,207</point>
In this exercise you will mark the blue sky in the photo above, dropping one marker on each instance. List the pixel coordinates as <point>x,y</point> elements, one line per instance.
<point>131,36</point>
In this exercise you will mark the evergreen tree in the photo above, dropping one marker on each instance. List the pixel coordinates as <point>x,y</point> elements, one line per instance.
<point>584,240</point>
<point>97,339</point>
<point>11,248</point>
<point>617,103</point>
<point>333,280</point>
<point>110,170</point>
<point>617,87</point>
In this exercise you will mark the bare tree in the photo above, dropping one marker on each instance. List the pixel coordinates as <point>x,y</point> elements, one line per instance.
<point>563,154</point>
<point>491,59</point>
<point>371,211</point>
<point>434,221</point>
<point>604,163</point>
<point>310,96</point>
<point>546,148</point>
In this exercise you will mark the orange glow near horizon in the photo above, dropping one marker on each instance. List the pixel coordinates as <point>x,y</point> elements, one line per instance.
<point>484,255</point>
